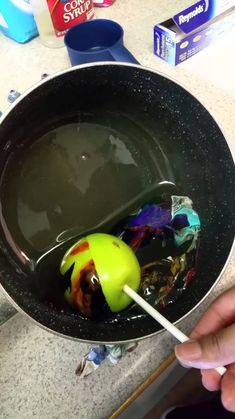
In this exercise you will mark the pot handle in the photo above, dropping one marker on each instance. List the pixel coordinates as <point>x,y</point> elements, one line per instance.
<point>14,94</point>
<point>121,53</point>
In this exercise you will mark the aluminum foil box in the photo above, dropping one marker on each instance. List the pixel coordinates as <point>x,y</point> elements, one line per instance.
<point>191,30</point>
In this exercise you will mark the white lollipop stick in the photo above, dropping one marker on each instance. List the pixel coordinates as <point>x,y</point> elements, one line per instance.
<point>180,336</point>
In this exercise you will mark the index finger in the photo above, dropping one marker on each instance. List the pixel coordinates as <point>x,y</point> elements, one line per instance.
<point>219,314</point>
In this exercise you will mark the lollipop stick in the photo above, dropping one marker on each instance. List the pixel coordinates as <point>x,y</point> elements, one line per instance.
<point>180,336</point>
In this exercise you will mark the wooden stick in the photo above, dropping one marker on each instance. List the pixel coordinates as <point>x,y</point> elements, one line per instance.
<point>180,336</point>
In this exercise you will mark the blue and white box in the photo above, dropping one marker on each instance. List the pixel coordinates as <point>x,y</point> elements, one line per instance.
<point>17,21</point>
<point>191,30</point>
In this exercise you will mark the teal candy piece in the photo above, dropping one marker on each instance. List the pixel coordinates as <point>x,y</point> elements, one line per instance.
<point>190,232</point>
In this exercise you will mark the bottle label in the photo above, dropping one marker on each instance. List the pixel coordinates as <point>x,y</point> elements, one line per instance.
<point>66,14</point>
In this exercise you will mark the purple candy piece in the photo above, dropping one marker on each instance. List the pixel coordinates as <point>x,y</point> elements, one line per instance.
<point>153,215</point>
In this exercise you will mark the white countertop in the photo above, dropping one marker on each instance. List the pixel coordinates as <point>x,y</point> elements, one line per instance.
<point>37,376</point>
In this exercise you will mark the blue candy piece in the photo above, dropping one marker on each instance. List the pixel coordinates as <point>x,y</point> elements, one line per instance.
<point>97,354</point>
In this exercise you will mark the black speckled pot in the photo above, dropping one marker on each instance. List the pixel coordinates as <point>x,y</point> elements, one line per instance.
<point>201,162</point>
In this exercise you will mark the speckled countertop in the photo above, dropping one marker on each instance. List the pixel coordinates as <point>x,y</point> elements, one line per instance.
<point>37,376</point>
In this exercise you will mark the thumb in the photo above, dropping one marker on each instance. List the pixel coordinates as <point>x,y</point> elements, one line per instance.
<point>208,351</point>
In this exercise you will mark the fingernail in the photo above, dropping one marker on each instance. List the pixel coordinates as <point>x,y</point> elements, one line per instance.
<point>188,351</point>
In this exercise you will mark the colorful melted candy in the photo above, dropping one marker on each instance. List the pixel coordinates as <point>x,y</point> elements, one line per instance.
<point>165,238</point>
<point>179,223</point>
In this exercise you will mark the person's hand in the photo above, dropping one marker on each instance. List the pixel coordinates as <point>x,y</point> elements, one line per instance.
<point>212,344</point>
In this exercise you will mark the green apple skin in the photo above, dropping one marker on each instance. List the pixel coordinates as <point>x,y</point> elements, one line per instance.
<point>115,264</point>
